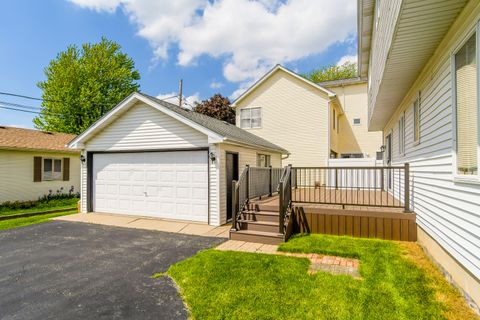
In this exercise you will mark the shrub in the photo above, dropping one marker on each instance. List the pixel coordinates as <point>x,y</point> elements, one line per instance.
<point>45,200</point>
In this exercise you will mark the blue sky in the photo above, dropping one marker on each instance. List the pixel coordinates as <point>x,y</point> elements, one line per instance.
<point>216,46</point>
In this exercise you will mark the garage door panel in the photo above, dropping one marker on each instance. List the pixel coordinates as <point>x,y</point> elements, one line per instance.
<point>159,184</point>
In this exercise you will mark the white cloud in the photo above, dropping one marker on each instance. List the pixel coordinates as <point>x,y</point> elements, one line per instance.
<point>249,36</point>
<point>216,84</point>
<point>98,5</point>
<point>172,97</point>
<point>347,58</point>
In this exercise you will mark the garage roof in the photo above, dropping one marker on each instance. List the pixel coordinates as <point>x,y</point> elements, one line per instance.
<point>222,130</point>
<point>227,130</point>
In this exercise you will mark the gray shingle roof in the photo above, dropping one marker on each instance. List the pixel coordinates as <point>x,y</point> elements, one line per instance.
<point>222,128</point>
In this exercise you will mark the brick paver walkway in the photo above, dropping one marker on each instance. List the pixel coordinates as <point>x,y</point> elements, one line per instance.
<point>318,262</point>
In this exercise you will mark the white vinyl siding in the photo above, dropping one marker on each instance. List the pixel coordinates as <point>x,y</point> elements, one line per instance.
<point>145,128</point>
<point>447,210</point>
<point>466,92</point>
<point>16,175</point>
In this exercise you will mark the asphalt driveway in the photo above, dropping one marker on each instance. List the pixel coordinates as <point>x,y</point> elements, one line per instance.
<point>72,270</point>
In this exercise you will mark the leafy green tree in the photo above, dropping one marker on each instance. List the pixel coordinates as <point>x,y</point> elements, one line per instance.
<point>332,72</point>
<point>84,83</point>
<point>217,107</point>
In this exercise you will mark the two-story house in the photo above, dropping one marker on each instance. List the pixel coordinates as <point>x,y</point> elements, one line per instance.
<point>421,61</point>
<point>314,122</point>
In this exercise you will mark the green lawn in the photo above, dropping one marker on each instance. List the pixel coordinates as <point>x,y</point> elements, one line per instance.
<point>235,285</point>
<point>39,206</point>
<point>19,222</point>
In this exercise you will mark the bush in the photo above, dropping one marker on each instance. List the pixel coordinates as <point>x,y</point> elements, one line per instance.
<point>44,201</point>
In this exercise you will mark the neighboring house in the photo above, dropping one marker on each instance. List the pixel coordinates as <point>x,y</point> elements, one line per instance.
<point>314,122</point>
<point>421,59</point>
<point>35,163</point>
<point>149,157</point>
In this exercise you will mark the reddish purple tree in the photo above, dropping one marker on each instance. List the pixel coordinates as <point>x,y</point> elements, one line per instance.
<point>217,107</point>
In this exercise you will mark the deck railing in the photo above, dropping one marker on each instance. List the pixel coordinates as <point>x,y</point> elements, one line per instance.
<point>285,197</point>
<point>254,182</point>
<point>386,186</point>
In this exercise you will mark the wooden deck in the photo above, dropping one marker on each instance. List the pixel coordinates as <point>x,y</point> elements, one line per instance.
<point>375,221</point>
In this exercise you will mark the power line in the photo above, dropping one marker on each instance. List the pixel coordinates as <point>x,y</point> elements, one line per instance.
<point>48,100</point>
<point>19,105</point>
<point>36,110</point>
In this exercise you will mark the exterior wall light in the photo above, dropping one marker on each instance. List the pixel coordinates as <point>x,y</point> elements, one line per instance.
<point>213,157</point>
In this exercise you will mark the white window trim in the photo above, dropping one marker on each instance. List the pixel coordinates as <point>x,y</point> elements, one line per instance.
<point>250,109</point>
<point>52,178</point>
<point>401,134</point>
<point>459,178</point>
<point>267,156</point>
<point>418,100</point>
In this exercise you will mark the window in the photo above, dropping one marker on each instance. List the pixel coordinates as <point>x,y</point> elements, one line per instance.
<point>351,155</point>
<point>466,97</point>
<point>401,135</point>
<point>357,122</point>
<point>263,160</point>
<point>416,118</point>
<point>52,169</point>
<point>250,118</point>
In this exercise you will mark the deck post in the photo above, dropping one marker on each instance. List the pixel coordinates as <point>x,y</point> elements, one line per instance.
<point>280,208</point>
<point>234,205</point>
<point>382,179</point>
<point>247,177</point>
<point>407,187</point>
<point>270,187</point>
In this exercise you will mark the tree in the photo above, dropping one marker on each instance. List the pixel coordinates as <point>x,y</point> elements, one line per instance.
<point>83,84</point>
<point>217,107</point>
<point>332,72</point>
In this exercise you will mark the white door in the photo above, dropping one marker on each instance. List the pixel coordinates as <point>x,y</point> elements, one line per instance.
<point>171,185</point>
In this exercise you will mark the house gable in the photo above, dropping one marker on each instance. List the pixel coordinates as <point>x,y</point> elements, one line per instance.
<point>144,127</point>
<point>294,115</point>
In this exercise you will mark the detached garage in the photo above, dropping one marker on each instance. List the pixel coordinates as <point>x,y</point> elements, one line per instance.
<point>147,157</point>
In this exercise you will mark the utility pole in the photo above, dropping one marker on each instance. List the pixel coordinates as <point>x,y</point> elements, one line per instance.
<point>180,93</point>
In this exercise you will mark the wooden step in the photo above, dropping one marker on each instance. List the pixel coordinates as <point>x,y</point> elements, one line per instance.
<point>274,207</point>
<point>267,216</point>
<point>264,226</point>
<point>256,236</point>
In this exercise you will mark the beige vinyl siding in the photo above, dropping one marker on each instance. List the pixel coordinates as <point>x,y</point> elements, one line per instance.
<point>356,138</point>
<point>294,116</point>
<point>145,128</point>
<point>334,116</point>
<point>447,210</point>
<point>16,175</point>
<point>245,156</point>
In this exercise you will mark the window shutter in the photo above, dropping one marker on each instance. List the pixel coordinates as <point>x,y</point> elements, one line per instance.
<point>66,169</point>
<point>37,169</point>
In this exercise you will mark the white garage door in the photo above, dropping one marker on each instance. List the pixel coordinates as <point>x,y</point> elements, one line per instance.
<point>170,185</point>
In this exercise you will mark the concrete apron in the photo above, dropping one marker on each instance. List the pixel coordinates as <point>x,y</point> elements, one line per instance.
<point>136,222</point>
